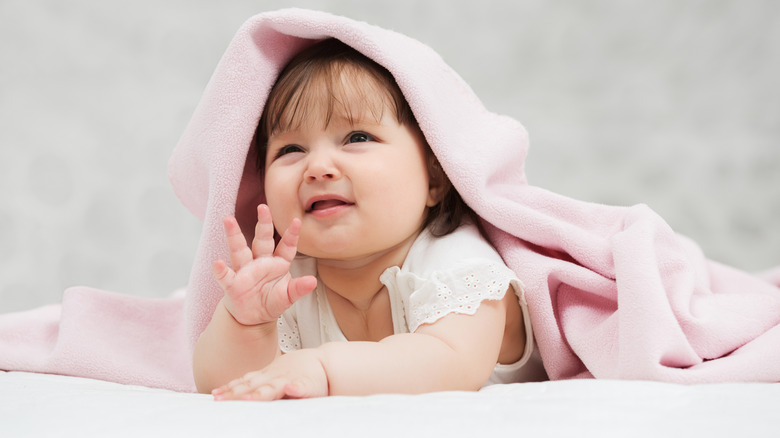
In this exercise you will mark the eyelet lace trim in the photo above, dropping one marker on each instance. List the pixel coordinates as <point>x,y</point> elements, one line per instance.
<point>458,291</point>
<point>289,339</point>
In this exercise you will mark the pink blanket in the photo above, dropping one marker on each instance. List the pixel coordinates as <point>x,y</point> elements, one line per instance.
<point>613,292</point>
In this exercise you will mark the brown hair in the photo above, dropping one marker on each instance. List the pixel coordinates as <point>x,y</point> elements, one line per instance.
<point>312,84</point>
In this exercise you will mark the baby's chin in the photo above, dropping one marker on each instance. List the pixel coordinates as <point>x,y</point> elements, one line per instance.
<point>332,256</point>
<point>345,257</point>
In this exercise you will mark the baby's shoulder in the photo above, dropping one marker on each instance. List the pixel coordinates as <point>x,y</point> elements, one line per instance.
<point>464,246</point>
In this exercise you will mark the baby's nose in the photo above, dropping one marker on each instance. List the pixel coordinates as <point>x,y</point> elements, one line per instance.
<point>321,167</point>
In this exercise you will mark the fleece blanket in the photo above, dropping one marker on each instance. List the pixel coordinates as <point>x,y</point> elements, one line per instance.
<point>613,292</point>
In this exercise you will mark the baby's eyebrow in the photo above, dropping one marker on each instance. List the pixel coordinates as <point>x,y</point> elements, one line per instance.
<point>364,120</point>
<point>280,137</point>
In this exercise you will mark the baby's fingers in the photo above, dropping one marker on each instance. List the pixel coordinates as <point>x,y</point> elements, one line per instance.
<point>251,388</point>
<point>263,244</point>
<point>298,288</point>
<point>223,274</point>
<point>240,254</point>
<point>288,247</point>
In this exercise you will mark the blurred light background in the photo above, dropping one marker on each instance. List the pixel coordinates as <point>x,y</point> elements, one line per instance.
<point>673,103</point>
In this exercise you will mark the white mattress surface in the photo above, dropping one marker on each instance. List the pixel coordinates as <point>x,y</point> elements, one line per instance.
<point>38,405</point>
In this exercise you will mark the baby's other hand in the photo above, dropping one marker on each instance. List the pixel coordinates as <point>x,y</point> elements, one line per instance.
<point>299,374</point>
<point>259,288</point>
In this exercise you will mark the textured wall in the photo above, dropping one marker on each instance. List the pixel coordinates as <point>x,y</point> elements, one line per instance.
<point>674,103</point>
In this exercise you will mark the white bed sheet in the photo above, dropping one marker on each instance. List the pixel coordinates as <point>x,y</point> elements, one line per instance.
<point>38,405</point>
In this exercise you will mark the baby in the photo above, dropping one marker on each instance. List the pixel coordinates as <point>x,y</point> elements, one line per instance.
<point>374,247</point>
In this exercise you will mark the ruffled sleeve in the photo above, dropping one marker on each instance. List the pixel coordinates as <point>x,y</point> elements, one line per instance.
<point>461,289</point>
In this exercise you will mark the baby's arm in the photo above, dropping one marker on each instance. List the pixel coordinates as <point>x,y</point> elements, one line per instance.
<point>228,349</point>
<point>457,352</point>
<point>242,334</point>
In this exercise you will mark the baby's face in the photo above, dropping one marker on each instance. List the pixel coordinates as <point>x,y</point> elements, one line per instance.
<point>360,188</point>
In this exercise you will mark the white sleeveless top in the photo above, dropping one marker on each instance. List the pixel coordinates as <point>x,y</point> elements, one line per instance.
<point>440,276</point>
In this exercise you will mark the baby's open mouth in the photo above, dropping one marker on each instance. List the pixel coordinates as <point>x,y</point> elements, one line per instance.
<point>325,204</point>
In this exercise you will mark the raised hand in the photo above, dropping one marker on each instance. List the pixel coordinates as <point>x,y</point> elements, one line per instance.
<point>259,287</point>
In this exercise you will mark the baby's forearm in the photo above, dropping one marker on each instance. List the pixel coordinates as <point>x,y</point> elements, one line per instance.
<point>227,350</point>
<point>458,352</point>
<point>409,364</point>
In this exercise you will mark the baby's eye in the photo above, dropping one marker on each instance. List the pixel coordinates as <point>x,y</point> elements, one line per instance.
<point>359,137</point>
<point>288,149</point>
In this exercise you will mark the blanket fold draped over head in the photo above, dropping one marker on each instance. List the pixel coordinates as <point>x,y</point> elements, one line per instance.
<point>613,291</point>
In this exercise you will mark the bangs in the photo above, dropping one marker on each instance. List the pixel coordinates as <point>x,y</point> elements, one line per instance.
<point>320,95</point>
<point>329,80</point>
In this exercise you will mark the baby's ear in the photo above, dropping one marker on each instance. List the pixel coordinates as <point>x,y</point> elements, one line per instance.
<point>438,183</point>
